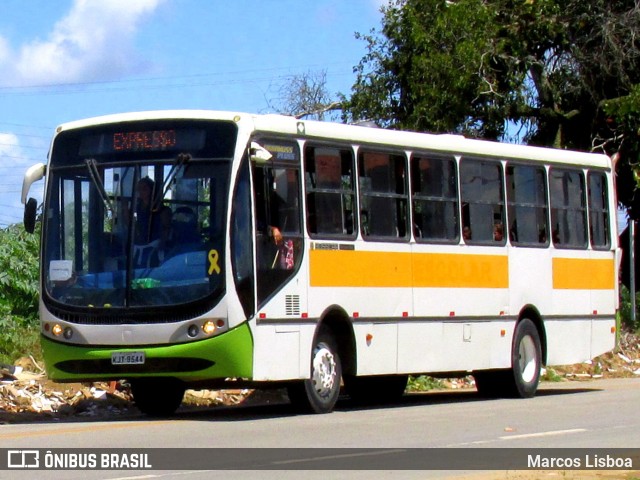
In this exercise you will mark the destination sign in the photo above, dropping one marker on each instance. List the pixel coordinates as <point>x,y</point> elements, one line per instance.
<point>151,140</point>
<point>105,143</point>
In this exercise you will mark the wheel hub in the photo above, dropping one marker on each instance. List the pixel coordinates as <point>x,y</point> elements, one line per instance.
<point>527,359</point>
<point>324,371</point>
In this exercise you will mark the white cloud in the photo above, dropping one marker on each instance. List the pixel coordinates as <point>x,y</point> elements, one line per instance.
<point>95,40</point>
<point>9,145</point>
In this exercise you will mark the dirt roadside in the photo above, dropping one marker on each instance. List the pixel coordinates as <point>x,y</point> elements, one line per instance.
<point>26,395</point>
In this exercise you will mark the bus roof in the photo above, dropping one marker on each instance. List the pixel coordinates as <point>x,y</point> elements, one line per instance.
<point>361,135</point>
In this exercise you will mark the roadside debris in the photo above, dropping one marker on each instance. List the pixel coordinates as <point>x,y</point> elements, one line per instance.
<point>27,394</point>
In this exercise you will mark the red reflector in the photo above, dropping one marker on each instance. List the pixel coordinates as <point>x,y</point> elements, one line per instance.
<point>595,312</point>
<point>262,316</point>
<point>356,314</point>
<point>452,314</point>
<point>405,314</point>
<point>305,315</point>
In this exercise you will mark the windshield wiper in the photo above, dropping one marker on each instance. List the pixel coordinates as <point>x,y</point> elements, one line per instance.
<point>97,182</point>
<point>181,160</point>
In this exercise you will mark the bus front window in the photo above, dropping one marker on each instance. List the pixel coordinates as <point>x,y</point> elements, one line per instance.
<point>127,226</point>
<point>135,235</point>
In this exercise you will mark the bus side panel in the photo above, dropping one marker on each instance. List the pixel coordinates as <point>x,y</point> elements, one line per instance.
<point>530,280</point>
<point>568,341</point>
<point>377,348</point>
<point>443,346</point>
<point>583,289</point>
<point>603,337</point>
<point>421,346</point>
<point>277,351</point>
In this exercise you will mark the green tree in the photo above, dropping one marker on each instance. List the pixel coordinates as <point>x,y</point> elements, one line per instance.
<point>481,67</point>
<point>19,274</point>
<point>18,294</point>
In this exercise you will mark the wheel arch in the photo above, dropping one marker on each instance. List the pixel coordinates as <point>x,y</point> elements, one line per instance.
<point>336,320</point>
<point>532,313</point>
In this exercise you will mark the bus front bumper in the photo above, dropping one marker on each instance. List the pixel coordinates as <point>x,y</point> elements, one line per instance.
<point>229,355</point>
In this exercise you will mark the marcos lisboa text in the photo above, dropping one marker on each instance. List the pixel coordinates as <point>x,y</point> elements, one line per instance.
<point>586,462</point>
<point>32,459</point>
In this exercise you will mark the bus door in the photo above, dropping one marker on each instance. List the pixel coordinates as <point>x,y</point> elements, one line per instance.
<point>278,218</point>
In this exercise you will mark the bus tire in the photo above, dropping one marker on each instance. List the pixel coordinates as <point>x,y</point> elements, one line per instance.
<point>521,380</point>
<point>320,392</point>
<point>157,397</point>
<point>376,389</point>
<point>526,360</point>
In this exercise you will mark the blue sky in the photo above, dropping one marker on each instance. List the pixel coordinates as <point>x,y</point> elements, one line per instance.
<point>69,59</point>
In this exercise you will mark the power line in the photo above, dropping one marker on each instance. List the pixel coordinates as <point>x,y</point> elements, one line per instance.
<point>23,146</point>
<point>175,77</point>
<point>24,126</point>
<point>227,78</point>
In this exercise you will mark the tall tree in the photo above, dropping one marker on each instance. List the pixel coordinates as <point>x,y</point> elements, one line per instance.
<point>483,67</point>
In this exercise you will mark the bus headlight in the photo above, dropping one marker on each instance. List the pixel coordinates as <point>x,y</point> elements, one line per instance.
<point>57,330</point>
<point>209,327</point>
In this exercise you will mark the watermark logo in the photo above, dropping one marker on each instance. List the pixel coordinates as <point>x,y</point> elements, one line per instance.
<point>23,459</point>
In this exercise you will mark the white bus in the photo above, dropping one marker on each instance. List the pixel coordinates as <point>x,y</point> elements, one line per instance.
<point>193,249</point>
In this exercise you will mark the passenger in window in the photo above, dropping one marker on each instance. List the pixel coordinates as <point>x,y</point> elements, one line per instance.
<point>328,173</point>
<point>498,232</point>
<point>328,205</point>
<point>152,225</point>
<point>466,233</point>
<point>285,216</point>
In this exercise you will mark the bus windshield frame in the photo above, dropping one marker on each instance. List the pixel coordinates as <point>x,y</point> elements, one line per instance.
<point>136,220</point>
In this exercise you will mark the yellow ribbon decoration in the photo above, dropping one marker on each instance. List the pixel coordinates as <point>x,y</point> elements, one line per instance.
<point>213,262</point>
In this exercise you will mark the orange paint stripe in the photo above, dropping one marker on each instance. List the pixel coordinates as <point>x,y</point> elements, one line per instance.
<point>461,271</point>
<point>352,268</point>
<point>583,274</point>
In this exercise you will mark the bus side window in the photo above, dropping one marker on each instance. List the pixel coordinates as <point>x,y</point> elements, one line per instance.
<point>598,210</point>
<point>482,201</point>
<point>384,199</point>
<point>330,191</point>
<point>527,205</point>
<point>568,209</point>
<point>435,199</point>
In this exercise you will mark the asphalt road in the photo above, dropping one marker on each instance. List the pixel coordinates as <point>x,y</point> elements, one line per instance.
<point>595,414</point>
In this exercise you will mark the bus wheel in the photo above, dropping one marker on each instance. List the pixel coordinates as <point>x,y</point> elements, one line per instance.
<point>157,397</point>
<point>526,360</point>
<point>522,379</point>
<point>319,393</point>
<point>377,389</point>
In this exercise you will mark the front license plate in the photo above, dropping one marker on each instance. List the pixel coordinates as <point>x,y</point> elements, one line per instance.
<point>127,358</point>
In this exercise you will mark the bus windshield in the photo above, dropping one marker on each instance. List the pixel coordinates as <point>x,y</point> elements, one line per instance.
<point>136,215</point>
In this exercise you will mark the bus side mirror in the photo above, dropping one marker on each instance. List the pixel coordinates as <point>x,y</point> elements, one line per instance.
<point>33,174</point>
<point>29,220</point>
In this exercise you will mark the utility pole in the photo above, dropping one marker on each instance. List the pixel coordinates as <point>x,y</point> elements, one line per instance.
<point>632,269</point>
